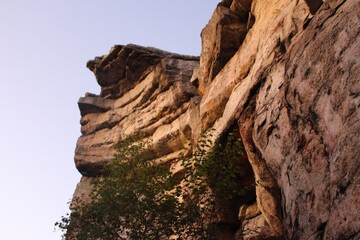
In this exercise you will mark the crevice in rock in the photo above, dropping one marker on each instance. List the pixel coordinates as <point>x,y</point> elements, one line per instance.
<point>314,5</point>
<point>91,169</point>
<point>268,196</point>
<point>354,236</point>
<point>250,22</point>
<point>332,12</point>
<point>306,23</point>
<point>230,24</point>
<point>321,230</point>
<point>227,222</point>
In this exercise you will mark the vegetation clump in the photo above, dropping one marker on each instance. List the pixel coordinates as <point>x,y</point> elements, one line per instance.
<point>138,199</point>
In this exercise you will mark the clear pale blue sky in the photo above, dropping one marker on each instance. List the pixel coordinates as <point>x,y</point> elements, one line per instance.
<point>44,46</point>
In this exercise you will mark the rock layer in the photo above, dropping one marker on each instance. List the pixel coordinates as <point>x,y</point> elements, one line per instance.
<point>152,96</point>
<point>286,72</point>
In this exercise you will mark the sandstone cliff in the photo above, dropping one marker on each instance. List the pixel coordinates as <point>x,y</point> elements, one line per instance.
<point>286,74</point>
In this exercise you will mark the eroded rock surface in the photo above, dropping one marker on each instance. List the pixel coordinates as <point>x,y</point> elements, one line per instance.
<point>286,73</point>
<point>307,126</point>
<point>221,38</point>
<point>152,96</point>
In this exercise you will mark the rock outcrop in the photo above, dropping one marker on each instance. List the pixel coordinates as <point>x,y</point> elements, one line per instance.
<point>221,38</point>
<point>286,74</point>
<point>142,90</point>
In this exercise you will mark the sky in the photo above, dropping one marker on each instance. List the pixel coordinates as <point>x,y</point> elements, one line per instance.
<point>44,46</point>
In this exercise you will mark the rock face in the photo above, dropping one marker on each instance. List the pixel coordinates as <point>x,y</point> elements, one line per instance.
<point>221,38</point>
<point>142,90</point>
<point>286,74</point>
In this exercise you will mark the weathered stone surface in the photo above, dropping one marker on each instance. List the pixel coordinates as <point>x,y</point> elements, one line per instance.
<point>256,228</point>
<point>154,101</point>
<point>314,5</point>
<point>82,191</point>
<point>287,72</point>
<point>125,66</point>
<point>241,8</point>
<point>306,119</point>
<point>307,122</point>
<point>93,104</point>
<point>221,38</point>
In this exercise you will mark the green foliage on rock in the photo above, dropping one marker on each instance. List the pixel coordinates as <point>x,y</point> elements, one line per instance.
<point>217,167</point>
<point>139,199</point>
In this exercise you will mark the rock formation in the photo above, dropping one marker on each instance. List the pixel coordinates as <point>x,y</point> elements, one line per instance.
<point>286,74</point>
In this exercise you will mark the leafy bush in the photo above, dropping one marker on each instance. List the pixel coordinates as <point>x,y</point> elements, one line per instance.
<point>138,199</point>
<point>215,174</point>
<point>217,166</point>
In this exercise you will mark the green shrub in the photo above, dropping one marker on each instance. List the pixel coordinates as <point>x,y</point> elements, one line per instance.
<point>137,199</point>
<point>217,166</point>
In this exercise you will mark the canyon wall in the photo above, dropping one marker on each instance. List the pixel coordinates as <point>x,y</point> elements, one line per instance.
<point>285,74</point>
